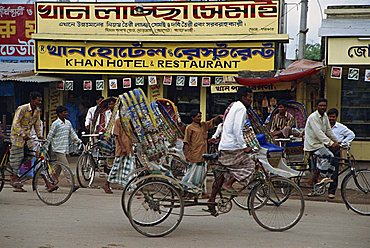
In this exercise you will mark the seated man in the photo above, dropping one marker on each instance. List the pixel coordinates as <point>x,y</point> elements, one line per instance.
<point>282,123</point>
<point>233,148</point>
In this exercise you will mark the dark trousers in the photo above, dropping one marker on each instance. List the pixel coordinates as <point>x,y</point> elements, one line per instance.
<point>335,162</point>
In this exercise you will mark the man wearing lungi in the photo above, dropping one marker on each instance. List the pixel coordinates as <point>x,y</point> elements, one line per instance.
<point>319,137</point>
<point>26,116</point>
<point>233,148</point>
<point>195,145</point>
<point>124,161</point>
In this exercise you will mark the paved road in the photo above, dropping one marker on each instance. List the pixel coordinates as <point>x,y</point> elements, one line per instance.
<point>92,218</point>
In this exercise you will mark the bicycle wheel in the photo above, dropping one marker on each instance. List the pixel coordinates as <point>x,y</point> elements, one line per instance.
<point>178,167</point>
<point>155,208</point>
<point>53,183</point>
<point>129,187</point>
<point>241,200</point>
<point>85,170</point>
<point>284,204</point>
<point>355,191</point>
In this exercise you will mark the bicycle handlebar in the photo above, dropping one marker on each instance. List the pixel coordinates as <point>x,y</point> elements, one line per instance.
<point>91,135</point>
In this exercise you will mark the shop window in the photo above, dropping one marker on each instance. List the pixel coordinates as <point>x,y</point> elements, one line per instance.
<point>263,102</point>
<point>217,103</point>
<point>355,106</point>
<point>186,99</point>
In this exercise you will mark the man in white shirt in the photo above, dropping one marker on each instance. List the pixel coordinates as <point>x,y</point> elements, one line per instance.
<point>61,132</point>
<point>319,138</point>
<point>233,148</point>
<point>344,136</point>
<point>91,112</point>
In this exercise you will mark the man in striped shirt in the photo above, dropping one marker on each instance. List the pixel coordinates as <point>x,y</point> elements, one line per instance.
<point>282,122</point>
<point>59,135</point>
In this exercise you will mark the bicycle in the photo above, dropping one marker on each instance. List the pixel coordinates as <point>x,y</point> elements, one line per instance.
<point>90,161</point>
<point>156,206</point>
<point>355,187</point>
<point>52,180</point>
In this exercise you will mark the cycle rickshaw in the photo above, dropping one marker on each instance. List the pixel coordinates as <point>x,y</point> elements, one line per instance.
<point>157,201</point>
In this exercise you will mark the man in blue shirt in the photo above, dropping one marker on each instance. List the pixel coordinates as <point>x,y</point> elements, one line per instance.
<point>344,136</point>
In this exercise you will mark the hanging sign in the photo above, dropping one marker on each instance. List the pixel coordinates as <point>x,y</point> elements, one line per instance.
<point>180,81</point>
<point>139,80</point>
<point>99,84</point>
<point>233,88</point>
<point>206,81</point>
<point>353,73</point>
<point>87,84</point>
<point>167,80</point>
<point>193,81</point>
<point>113,84</point>
<point>126,83</point>
<point>152,80</point>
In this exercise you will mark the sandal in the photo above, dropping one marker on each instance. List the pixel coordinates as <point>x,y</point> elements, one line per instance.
<point>107,189</point>
<point>20,189</point>
<point>52,188</point>
<point>15,182</point>
<point>211,208</point>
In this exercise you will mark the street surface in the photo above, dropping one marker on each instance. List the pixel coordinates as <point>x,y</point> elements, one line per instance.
<point>92,219</point>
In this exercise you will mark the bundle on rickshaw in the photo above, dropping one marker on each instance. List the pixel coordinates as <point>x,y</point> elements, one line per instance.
<point>140,124</point>
<point>168,119</point>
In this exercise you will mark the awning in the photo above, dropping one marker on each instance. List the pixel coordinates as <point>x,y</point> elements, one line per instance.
<point>8,68</point>
<point>29,77</point>
<point>297,70</point>
<point>344,27</point>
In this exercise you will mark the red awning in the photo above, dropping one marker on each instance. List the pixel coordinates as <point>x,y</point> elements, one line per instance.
<point>295,71</point>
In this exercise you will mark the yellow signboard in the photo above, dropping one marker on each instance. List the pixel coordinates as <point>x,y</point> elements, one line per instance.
<point>348,51</point>
<point>166,18</point>
<point>233,88</point>
<point>154,58</point>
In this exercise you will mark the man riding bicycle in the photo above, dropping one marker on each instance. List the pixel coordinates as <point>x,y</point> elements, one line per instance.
<point>234,152</point>
<point>26,116</point>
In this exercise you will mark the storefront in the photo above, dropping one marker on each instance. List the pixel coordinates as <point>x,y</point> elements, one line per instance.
<point>347,54</point>
<point>177,50</point>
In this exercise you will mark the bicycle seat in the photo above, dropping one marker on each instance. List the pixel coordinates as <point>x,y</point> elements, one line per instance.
<point>210,156</point>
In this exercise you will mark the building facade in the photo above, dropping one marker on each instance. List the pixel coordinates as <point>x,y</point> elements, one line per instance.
<point>346,37</point>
